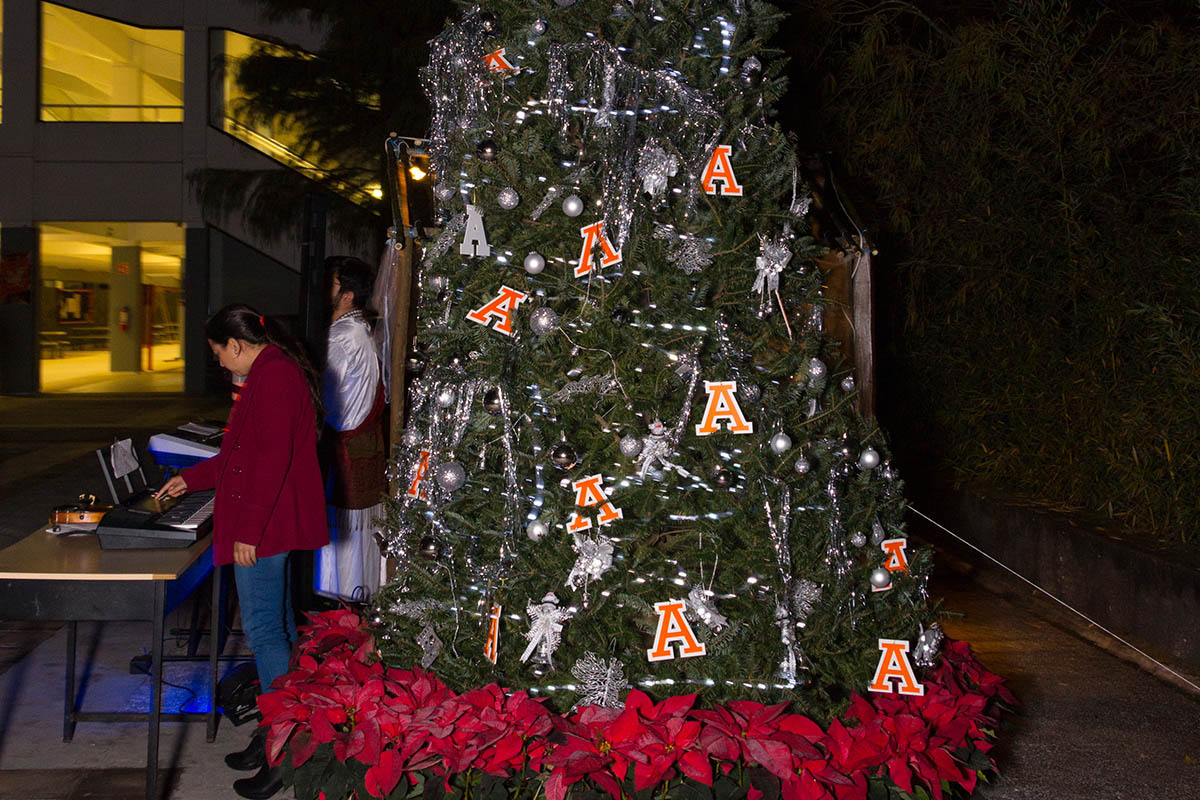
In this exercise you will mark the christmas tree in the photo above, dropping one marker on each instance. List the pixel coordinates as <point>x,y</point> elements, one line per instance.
<point>633,457</point>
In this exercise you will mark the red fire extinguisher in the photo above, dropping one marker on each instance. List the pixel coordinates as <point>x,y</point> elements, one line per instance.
<point>123,318</point>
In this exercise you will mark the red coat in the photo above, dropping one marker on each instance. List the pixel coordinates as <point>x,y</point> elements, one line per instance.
<point>269,488</point>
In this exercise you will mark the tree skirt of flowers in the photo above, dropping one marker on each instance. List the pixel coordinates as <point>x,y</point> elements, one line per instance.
<point>345,725</point>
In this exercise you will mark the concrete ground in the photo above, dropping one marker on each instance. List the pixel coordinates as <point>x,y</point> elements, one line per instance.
<point>1091,724</point>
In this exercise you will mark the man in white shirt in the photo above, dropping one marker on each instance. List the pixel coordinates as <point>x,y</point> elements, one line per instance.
<point>350,567</point>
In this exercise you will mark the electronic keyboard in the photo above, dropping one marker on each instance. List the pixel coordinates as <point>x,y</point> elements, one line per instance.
<point>143,522</point>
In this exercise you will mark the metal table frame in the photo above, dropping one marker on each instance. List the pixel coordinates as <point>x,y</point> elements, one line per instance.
<point>121,599</point>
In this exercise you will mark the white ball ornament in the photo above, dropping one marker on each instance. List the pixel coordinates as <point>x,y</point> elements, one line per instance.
<point>537,530</point>
<point>880,577</point>
<point>534,263</point>
<point>451,476</point>
<point>868,459</point>
<point>508,198</point>
<point>543,320</point>
<point>781,443</point>
<point>446,397</point>
<point>572,206</point>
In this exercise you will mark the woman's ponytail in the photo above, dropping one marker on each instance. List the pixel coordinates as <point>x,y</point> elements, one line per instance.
<point>240,321</point>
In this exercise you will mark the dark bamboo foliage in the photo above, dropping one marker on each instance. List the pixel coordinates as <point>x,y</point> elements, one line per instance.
<point>1034,167</point>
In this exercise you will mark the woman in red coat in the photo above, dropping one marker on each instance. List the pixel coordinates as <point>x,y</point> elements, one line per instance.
<point>270,498</point>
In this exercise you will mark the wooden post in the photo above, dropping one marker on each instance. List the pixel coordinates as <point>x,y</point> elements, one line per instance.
<point>401,302</point>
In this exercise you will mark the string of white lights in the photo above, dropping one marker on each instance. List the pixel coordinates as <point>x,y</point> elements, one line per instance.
<point>1061,602</point>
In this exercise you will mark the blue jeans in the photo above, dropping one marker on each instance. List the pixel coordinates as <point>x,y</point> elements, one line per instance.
<point>265,595</point>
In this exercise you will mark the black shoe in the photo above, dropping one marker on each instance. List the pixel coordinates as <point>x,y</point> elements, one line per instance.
<point>252,758</point>
<point>266,783</point>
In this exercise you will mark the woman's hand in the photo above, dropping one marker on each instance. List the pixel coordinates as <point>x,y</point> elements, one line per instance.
<point>245,555</point>
<point>173,488</point>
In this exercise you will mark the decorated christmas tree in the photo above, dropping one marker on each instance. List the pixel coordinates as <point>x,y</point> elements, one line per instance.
<point>633,457</point>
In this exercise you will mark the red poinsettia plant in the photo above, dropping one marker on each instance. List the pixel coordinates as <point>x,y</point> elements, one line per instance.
<point>343,724</point>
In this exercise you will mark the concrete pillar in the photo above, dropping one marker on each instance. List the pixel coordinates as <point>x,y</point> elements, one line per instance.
<point>125,291</point>
<point>195,298</point>
<point>18,311</point>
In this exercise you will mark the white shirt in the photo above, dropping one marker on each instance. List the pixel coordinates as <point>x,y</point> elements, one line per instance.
<point>351,372</point>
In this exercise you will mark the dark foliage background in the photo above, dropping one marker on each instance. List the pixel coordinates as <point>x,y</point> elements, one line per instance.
<point>1030,171</point>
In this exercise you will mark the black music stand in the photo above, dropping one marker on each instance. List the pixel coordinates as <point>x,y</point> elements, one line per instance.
<point>106,467</point>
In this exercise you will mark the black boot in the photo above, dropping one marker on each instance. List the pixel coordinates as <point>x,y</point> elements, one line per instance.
<point>266,783</point>
<point>253,757</point>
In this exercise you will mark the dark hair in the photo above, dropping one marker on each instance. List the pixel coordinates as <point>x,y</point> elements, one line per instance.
<point>355,275</point>
<point>240,321</point>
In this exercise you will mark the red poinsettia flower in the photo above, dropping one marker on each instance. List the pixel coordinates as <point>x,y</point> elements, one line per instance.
<point>746,730</point>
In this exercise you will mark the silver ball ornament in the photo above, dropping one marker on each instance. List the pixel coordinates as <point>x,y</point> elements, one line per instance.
<point>858,539</point>
<point>491,401</point>
<point>450,476</point>
<point>802,465</point>
<point>534,263</point>
<point>868,459</point>
<point>428,547</point>
<point>543,320</point>
<point>411,437</point>
<point>781,443</point>
<point>723,477</point>
<point>539,26</point>
<point>572,206</point>
<point>446,397</point>
<point>537,530</point>
<point>631,446</point>
<point>508,198</point>
<point>816,368</point>
<point>751,72</point>
<point>880,577</point>
<point>750,392</point>
<point>487,150</point>
<point>848,383</point>
<point>565,3</point>
<point>563,456</point>
<point>444,191</point>
<point>415,364</point>
<point>488,22</point>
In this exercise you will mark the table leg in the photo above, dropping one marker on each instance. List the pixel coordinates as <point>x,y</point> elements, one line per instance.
<point>155,692</point>
<point>69,694</point>
<point>215,641</point>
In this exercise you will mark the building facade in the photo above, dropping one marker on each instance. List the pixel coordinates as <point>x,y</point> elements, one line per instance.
<point>108,268</point>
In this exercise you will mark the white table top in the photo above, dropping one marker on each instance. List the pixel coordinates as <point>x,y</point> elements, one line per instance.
<point>49,556</point>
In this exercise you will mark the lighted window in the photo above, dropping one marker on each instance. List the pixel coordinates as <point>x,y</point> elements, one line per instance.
<point>274,137</point>
<point>98,70</point>
<point>110,308</point>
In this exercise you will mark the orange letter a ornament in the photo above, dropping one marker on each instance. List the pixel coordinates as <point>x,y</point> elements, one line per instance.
<point>720,170</point>
<point>722,406</point>
<point>592,235</point>
<point>894,665</point>
<point>500,308</point>
<point>673,627</point>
